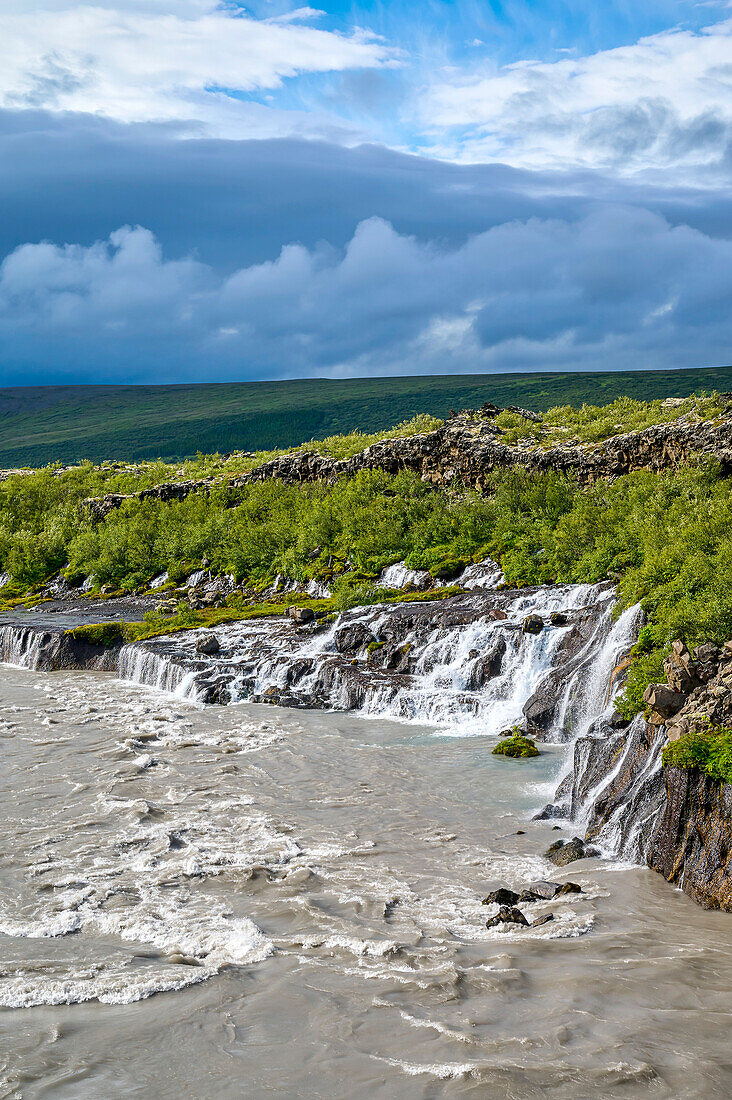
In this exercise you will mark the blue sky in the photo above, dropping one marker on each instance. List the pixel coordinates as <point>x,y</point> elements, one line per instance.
<point>194,190</point>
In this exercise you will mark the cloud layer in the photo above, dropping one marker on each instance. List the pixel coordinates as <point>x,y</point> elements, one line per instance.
<point>133,65</point>
<point>663,101</point>
<point>618,288</point>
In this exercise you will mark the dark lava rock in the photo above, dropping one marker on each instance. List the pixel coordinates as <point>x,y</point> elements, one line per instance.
<point>532,624</point>
<point>550,811</point>
<point>542,920</point>
<point>207,643</point>
<point>501,897</point>
<point>301,614</point>
<point>692,842</point>
<point>507,915</point>
<point>568,851</point>
<point>351,637</point>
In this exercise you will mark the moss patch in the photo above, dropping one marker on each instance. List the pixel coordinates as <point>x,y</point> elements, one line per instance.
<point>100,634</point>
<point>516,746</point>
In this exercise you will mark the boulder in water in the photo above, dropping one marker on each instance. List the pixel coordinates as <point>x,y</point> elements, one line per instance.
<point>542,920</point>
<point>502,896</point>
<point>516,746</point>
<point>208,644</point>
<point>532,624</point>
<point>558,618</point>
<point>507,914</point>
<point>567,851</point>
<point>542,889</point>
<point>301,615</point>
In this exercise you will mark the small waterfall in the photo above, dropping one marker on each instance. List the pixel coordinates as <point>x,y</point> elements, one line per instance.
<point>400,575</point>
<point>145,666</point>
<point>589,692</point>
<point>27,647</point>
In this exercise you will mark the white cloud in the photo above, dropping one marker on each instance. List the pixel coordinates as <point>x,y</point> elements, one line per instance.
<point>666,100</point>
<point>137,63</point>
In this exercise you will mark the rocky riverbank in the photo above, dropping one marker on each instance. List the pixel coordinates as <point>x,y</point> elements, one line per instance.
<point>544,659</point>
<point>676,820</point>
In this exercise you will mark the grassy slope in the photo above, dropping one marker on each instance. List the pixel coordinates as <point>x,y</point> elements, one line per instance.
<point>68,423</point>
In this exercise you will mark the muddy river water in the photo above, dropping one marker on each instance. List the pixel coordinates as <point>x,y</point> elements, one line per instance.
<point>216,902</point>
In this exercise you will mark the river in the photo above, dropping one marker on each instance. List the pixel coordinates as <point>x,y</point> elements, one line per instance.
<point>301,892</point>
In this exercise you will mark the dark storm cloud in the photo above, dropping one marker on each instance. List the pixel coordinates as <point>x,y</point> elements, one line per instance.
<point>618,287</point>
<point>77,179</point>
<point>286,258</point>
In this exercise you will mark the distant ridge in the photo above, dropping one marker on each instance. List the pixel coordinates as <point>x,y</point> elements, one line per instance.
<point>42,424</point>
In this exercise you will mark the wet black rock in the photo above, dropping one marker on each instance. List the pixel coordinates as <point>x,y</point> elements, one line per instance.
<point>567,851</point>
<point>542,888</point>
<point>533,624</point>
<point>550,811</point>
<point>542,920</point>
<point>501,897</point>
<point>558,618</point>
<point>569,888</point>
<point>507,914</point>
<point>352,637</point>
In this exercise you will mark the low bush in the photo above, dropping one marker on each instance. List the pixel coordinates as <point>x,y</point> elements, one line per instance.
<point>709,750</point>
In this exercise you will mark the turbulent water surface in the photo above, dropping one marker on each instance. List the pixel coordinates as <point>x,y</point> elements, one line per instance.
<point>246,900</point>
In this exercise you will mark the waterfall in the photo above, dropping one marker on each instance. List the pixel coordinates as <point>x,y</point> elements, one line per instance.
<point>27,647</point>
<point>464,665</point>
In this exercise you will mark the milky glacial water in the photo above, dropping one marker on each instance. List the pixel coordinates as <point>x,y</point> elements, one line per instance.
<point>252,901</point>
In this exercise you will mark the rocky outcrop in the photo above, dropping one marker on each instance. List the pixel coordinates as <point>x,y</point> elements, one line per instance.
<point>469,448</point>
<point>692,843</point>
<point>677,821</point>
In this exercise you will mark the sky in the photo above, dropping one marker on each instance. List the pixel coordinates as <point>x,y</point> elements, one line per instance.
<point>204,191</point>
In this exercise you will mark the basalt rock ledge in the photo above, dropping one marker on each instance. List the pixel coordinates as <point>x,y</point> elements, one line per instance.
<point>468,448</point>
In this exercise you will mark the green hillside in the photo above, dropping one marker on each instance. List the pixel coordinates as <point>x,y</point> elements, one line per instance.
<point>42,424</point>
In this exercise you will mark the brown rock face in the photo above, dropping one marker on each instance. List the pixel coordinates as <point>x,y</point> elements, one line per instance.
<point>663,702</point>
<point>681,672</point>
<point>692,844</point>
<point>468,448</point>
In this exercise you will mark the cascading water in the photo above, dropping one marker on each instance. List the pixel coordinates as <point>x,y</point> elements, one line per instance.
<point>465,664</point>
<point>26,647</point>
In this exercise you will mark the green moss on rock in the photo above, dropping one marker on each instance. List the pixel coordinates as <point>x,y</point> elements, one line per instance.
<point>107,635</point>
<point>516,746</point>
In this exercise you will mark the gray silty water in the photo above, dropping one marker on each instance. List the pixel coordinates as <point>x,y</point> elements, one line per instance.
<point>216,902</point>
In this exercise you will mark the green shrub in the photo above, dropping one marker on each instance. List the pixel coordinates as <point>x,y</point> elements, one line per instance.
<point>708,750</point>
